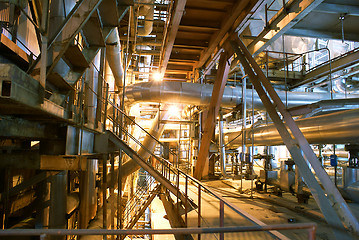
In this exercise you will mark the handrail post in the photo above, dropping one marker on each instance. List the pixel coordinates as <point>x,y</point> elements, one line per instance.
<point>311,233</point>
<point>178,194</point>
<point>221,218</point>
<point>186,202</point>
<point>199,210</point>
<point>105,113</point>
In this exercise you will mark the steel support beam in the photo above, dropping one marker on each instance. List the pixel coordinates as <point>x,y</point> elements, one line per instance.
<point>34,160</point>
<point>326,34</point>
<point>233,17</point>
<point>26,184</point>
<point>173,217</point>
<point>331,203</point>
<point>12,127</point>
<point>178,13</point>
<point>213,110</point>
<point>287,17</point>
<point>334,8</point>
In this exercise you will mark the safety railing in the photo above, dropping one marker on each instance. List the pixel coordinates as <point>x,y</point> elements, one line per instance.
<point>45,233</point>
<point>182,182</point>
<point>116,121</point>
<point>138,199</point>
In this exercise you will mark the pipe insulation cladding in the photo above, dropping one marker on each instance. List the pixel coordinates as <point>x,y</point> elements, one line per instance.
<point>114,58</point>
<point>200,94</point>
<point>339,128</point>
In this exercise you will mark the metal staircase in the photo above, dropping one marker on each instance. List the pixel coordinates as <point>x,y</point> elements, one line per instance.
<point>159,169</point>
<point>77,41</point>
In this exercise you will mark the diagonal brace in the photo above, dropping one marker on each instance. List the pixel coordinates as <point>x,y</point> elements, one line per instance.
<point>298,144</point>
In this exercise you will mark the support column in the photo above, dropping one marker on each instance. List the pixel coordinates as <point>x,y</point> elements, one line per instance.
<point>213,110</point>
<point>58,203</point>
<point>88,196</point>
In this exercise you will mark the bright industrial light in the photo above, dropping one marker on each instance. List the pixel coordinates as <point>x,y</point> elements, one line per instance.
<point>157,76</point>
<point>174,111</point>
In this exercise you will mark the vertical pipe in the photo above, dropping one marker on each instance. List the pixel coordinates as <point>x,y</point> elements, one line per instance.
<point>244,122</point>
<point>100,82</point>
<point>251,159</point>
<point>222,146</point>
<point>335,168</point>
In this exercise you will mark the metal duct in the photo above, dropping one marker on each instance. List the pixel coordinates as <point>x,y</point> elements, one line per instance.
<point>200,94</point>
<point>147,11</point>
<point>339,127</point>
<point>149,143</point>
<point>113,56</point>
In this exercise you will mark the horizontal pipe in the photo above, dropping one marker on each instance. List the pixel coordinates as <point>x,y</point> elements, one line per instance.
<point>200,94</point>
<point>339,127</point>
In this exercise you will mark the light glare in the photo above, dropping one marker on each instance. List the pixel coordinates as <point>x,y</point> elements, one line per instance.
<point>157,76</point>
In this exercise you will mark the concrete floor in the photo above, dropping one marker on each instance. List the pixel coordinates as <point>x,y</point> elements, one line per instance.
<point>267,208</point>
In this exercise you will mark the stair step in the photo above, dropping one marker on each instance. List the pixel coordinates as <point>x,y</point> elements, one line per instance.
<point>76,58</point>
<point>108,11</point>
<point>93,31</point>
<point>147,167</point>
<point>56,81</point>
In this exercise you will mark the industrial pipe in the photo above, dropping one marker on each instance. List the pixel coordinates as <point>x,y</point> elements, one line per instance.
<point>114,58</point>
<point>341,86</point>
<point>147,11</point>
<point>149,143</point>
<point>222,148</point>
<point>200,94</point>
<point>339,127</point>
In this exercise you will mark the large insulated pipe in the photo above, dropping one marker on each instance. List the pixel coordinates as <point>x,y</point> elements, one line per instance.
<point>339,128</point>
<point>147,11</point>
<point>200,94</point>
<point>148,143</point>
<point>113,56</point>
